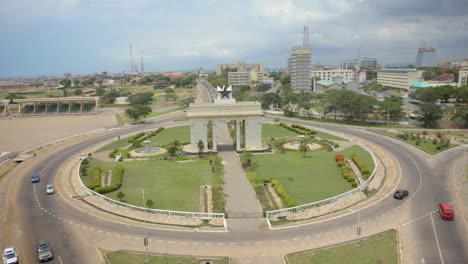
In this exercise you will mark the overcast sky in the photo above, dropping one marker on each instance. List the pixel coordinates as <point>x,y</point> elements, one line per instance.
<point>42,37</point>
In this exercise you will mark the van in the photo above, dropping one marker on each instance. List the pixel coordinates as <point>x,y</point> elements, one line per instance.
<point>446,211</point>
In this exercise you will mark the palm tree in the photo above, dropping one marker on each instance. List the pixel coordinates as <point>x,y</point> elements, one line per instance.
<point>304,146</point>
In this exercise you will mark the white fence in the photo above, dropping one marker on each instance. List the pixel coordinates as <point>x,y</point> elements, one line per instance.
<point>196,215</point>
<point>284,212</point>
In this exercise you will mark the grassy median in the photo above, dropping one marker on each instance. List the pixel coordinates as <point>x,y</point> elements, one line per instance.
<point>381,248</point>
<point>118,257</point>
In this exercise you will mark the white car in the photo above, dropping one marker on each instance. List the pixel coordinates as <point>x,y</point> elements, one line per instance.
<point>10,256</point>
<point>50,189</point>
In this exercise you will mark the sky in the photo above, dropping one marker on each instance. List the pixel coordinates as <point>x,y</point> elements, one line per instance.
<point>52,37</point>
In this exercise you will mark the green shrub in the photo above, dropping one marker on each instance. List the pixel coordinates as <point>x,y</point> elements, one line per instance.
<point>96,181</point>
<point>113,153</point>
<point>341,164</point>
<point>85,162</point>
<point>345,169</point>
<point>135,137</point>
<point>182,157</point>
<point>346,175</point>
<point>354,184</point>
<point>424,132</point>
<point>287,200</point>
<point>351,179</point>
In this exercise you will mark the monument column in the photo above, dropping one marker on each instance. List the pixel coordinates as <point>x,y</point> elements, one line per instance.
<point>238,127</point>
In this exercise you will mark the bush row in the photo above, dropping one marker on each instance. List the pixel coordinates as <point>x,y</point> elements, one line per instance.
<point>96,178</point>
<point>299,129</point>
<point>346,171</point>
<point>279,189</point>
<point>339,158</point>
<point>365,172</point>
<point>117,176</point>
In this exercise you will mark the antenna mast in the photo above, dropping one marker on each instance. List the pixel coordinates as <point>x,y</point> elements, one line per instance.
<point>142,67</point>
<point>305,42</point>
<point>131,59</point>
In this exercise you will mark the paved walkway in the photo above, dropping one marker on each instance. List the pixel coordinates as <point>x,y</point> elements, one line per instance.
<point>241,201</point>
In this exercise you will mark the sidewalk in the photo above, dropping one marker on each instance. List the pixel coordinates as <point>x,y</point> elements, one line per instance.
<point>241,200</point>
<point>460,181</point>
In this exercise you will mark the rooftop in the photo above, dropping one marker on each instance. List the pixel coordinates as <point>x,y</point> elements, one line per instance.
<point>397,70</point>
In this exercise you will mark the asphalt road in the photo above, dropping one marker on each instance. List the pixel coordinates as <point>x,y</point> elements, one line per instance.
<point>427,237</point>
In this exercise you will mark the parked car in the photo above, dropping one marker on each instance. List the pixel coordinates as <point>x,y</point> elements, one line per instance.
<point>446,211</point>
<point>400,194</point>
<point>35,178</point>
<point>10,256</point>
<point>44,251</point>
<point>50,189</point>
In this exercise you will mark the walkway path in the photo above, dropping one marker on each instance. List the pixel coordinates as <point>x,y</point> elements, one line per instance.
<point>241,201</point>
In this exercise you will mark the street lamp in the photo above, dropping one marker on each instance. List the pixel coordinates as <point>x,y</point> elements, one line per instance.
<point>145,239</point>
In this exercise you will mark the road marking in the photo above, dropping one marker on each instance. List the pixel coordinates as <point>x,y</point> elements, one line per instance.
<point>60,259</point>
<point>437,240</point>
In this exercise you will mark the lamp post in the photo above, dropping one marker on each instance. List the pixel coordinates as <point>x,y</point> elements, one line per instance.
<point>145,239</point>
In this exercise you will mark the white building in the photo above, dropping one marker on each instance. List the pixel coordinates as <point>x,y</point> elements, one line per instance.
<point>329,74</point>
<point>401,78</point>
<point>240,66</point>
<point>463,77</point>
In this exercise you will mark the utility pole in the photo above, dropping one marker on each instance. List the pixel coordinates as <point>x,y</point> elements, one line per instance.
<point>145,239</point>
<point>358,228</point>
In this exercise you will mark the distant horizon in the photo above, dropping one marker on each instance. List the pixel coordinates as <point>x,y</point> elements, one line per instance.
<point>81,36</point>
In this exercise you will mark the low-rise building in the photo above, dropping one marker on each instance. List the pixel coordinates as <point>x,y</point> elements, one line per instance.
<point>251,78</point>
<point>400,78</point>
<point>337,83</point>
<point>329,74</point>
<point>240,66</point>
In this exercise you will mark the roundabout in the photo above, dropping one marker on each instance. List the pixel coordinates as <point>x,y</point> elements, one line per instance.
<point>75,228</point>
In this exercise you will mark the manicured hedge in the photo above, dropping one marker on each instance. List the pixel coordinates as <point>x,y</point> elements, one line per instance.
<point>339,158</point>
<point>287,200</point>
<point>96,174</point>
<point>299,129</point>
<point>365,172</point>
<point>117,175</point>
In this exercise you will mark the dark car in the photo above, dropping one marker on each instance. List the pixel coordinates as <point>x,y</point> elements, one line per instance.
<point>44,252</point>
<point>400,194</point>
<point>35,178</point>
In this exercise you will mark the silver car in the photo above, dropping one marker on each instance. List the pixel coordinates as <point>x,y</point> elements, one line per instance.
<point>50,189</point>
<point>44,252</point>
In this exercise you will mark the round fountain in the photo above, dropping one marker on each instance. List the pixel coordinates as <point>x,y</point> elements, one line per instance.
<point>147,150</point>
<point>295,146</point>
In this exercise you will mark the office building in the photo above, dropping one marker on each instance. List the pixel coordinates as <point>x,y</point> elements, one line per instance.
<point>426,57</point>
<point>299,69</point>
<point>401,78</point>
<point>240,66</point>
<point>251,78</point>
<point>369,63</point>
<point>328,74</point>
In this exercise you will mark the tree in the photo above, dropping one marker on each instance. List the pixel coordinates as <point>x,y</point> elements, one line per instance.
<point>109,98</point>
<point>170,94</point>
<point>304,146</point>
<point>285,80</point>
<point>76,82</point>
<point>269,99</point>
<point>431,113</point>
<point>246,159</point>
<point>173,148</point>
<point>100,91</point>
<point>78,92</point>
<point>149,203</point>
<point>66,84</point>
<point>461,114</point>
<point>392,107</point>
<point>201,147</point>
<point>120,195</point>
<point>446,92</point>
<point>428,95</point>
<point>138,111</point>
<point>371,75</point>
<point>362,106</point>
<point>141,98</point>
<point>263,87</point>
<point>462,93</point>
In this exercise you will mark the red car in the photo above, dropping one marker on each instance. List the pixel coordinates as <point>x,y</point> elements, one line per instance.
<point>446,211</point>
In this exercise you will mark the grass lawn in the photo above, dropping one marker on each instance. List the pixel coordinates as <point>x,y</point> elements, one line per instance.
<point>123,118</point>
<point>381,248</point>
<point>171,185</point>
<point>272,130</point>
<point>168,135</point>
<point>305,179</point>
<point>364,155</point>
<point>427,146</point>
<point>162,138</point>
<point>118,257</point>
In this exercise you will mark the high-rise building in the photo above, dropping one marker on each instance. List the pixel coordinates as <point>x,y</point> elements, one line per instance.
<point>463,77</point>
<point>426,57</point>
<point>299,65</point>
